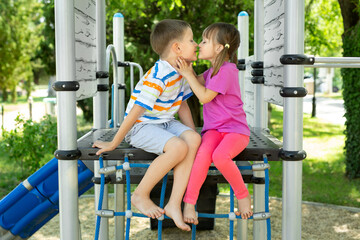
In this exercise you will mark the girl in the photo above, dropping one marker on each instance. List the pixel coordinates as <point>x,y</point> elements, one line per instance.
<point>225,131</point>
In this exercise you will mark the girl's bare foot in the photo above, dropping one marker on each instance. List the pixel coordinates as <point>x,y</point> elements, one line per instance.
<point>174,212</point>
<point>244,206</point>
<point>146,206</point>
<point>190,214</point>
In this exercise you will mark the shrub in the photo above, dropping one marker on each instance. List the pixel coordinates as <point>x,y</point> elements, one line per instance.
<point>29,142</point>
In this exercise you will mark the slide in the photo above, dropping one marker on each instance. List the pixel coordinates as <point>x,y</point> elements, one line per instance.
<point>35,201</point>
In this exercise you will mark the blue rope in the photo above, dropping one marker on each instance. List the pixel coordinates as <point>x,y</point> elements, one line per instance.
<point>128,198</point>
<point>162,199</point>
<point>102,184</point>
<point>231,230</point>
<point>267,183</point>
<point>193,232</point>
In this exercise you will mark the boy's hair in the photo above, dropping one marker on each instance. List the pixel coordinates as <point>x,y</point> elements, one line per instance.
<point>227,35</point>
<point>166,31</point>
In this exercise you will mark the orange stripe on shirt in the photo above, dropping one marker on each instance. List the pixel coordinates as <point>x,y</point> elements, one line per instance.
<point>133,98</point>
<point>153,85</point>
<point>173,82</point>
<point>147,74</point>
<point>159,108</point>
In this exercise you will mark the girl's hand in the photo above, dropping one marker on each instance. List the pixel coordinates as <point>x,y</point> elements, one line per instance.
<point>104,146</point>
<point>184,67</point>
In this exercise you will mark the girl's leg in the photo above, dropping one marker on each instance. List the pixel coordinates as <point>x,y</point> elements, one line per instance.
<point>181,177</point>
<point>231,145</point>
<point>201,165</point>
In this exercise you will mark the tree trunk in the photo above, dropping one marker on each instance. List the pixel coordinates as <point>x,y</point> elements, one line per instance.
<point>351,92</point>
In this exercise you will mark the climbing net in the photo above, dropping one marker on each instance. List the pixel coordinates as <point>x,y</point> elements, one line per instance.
<point>128,214</point>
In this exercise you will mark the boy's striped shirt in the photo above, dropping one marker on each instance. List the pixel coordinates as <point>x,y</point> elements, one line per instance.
<point>160,91</point>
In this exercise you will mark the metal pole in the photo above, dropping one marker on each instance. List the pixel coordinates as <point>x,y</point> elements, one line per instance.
<point>337,59</point>
<point>2,115</point>
<point>30,106</point>
<point>243,52</point>
<point>334,65</point>
<point>313,112</point>
<point>293,122</point>
<point>65,68</point>
<point>118,40</point>
<point>101,103</point>
<point>259,229</point>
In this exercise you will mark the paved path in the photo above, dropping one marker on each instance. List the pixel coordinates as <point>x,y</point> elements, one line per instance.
<point>327,109</point>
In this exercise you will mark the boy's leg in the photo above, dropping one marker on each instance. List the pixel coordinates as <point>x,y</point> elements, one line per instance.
<point>174,152</point>
<point>231,145</point>
<point>171,150</point>
<point>198,174</point>
<point>181,176</point>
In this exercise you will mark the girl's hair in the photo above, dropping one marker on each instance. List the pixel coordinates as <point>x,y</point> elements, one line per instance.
<point>166,31</point>
<point>227,35</point>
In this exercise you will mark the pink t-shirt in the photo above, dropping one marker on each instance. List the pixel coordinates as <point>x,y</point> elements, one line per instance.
<point>225,112</point>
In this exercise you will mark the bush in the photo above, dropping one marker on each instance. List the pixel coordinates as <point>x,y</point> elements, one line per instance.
<point>29,142</point>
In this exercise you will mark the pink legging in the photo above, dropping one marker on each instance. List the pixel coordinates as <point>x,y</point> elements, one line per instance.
<point>219,148</point>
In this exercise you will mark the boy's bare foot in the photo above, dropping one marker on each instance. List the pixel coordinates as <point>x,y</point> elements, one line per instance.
<point>190,214</point>
<point>244,206</point>
<point>146,206</point>
<point>174,212</point>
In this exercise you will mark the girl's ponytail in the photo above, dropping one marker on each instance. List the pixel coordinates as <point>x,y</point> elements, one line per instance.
<point>227,35</point>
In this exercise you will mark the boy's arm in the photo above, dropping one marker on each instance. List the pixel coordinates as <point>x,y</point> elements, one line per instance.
<point>204,94</point>
<point>185,115</point>
<point>125,127</point>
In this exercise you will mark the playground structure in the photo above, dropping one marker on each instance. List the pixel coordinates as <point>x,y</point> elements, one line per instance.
<point>274,74</point>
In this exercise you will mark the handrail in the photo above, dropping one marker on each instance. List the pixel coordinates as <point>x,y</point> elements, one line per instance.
<point>111,50</point>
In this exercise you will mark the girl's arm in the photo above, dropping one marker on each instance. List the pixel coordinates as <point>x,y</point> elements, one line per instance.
<point>125,127</point>
<point>185,69</point>
<point>185,115</point>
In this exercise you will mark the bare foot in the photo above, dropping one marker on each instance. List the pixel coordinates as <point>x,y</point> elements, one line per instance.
<point>244,206</point>
<point>146,206</point>
<point>190,214</point>
<point>174,212</point>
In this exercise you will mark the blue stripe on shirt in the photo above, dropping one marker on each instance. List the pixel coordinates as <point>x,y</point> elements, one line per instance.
<point>187,96</point>
<point>170,101</point>
<point>164,78</point>
<point>148,117</point>
<point>143,105</point>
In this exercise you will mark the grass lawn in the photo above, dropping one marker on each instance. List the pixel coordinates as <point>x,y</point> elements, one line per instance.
<point>324,168</point>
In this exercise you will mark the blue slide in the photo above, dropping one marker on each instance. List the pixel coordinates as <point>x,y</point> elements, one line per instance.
<point>23,211</point>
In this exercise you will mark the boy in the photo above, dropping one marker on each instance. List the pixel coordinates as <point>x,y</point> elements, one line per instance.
<point>149,121</point>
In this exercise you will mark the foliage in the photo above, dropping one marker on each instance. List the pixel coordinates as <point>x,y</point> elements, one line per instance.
<point>28,143</point>
<point>351,94</point>
<point>46,51</point>
<point>323,28</point>
<point>19,28</point>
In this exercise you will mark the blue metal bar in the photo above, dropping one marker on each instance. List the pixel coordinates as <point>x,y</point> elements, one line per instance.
<point>134,165</point>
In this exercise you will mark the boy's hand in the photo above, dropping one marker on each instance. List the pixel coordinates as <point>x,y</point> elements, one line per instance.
<point>184,67</point>
<point>104,146</point>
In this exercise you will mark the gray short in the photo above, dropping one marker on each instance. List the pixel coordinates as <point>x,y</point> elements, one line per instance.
<point>153,137</point>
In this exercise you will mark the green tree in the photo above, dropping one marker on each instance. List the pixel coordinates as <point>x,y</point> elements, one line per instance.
<point>351,93</point>
<point>19,26</point>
